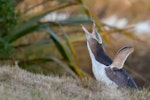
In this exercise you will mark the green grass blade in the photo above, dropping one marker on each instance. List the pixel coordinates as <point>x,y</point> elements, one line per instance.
<point>75,21</point>
<point>59,44</point>
<point>69,44</point>
<point>18,33</point>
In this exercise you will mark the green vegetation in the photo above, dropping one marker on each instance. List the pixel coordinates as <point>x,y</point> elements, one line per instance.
<point>28,24</point>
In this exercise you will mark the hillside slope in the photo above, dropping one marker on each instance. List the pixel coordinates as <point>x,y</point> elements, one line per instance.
<point>18,84</point>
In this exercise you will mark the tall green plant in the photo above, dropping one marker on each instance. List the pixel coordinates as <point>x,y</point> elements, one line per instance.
<point>33,24</point>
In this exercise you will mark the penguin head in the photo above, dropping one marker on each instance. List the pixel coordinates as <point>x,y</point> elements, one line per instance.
<point>94,44</point>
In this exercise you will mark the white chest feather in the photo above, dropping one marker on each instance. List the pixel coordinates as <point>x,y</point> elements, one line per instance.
<point>99,70</point>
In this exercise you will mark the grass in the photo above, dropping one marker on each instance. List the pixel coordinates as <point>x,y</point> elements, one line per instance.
<point>19,84</point>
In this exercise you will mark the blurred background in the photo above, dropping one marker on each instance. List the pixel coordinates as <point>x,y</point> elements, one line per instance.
<point>45,36</point>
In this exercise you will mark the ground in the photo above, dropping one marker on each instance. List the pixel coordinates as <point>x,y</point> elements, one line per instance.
<point>18,84</point>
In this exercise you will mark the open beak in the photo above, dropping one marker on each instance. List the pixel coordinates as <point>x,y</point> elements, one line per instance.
<point>95,35</point>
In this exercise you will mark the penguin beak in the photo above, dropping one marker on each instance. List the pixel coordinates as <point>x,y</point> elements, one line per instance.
<point>95,35</point>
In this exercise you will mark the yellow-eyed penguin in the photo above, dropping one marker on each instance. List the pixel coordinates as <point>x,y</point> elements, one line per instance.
<point>104,69</point>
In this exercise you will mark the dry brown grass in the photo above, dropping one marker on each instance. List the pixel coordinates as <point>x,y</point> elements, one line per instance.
<point>18,84</point>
